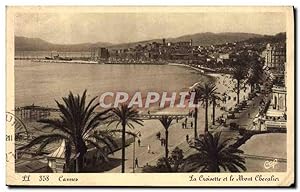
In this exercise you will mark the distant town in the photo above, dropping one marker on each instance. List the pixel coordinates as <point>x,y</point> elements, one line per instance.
<point>218,57</point>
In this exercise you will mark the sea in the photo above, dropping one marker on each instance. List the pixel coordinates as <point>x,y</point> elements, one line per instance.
<point>41,83</point>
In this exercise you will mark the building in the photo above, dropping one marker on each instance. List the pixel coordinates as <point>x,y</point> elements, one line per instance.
<point>99,53</point>
<point>182,43</point>
<point>275,56</point>
<point>103,53</point>
<point>275,117</point>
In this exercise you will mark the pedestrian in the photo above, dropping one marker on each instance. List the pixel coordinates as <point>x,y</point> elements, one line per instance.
<point>139,142</point>
<point>136,162</point>
<point>284,116</point>
<point>161,142</point>
<point>182,125</point>
<point>185,120</point>
<point>149,148</point>
<point>187,138</point>
<point>191,124</point>
<point>158,135</point>
<point>248,115</point>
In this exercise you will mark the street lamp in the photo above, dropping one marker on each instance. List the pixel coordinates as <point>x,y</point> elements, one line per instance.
<point>133,154</point>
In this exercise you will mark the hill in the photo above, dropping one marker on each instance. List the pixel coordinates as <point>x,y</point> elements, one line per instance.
<point>278,38</point>
<point>37,44</point>
<point>199,39</point>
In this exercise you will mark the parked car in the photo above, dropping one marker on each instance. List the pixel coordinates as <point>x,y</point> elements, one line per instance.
<point>233,126</point>
<point>231,115</point>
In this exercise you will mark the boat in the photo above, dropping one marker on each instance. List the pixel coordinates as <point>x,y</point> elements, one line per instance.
<point>55,56</point>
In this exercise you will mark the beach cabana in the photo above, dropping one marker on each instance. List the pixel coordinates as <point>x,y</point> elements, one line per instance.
<point>56,159</point>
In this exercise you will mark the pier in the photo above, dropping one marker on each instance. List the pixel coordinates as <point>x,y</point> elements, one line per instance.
<point>158,116</point>
<point>33,112</point>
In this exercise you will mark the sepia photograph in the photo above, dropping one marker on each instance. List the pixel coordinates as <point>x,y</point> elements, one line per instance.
<point>174,96</point>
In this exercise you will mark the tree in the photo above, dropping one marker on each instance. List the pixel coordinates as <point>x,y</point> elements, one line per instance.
<point>207,93</point>
<point>76,125</point>
<point>170,165</point>
<point>239,75</point>
<point>166,122</point>
<point>214,99</point>
<point>214,154</point>
<point>196,101</point>
<point>125,116</point>
<point>255,74</point>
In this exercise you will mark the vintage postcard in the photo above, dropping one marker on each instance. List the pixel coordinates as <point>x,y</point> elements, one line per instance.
<point>150,96</point>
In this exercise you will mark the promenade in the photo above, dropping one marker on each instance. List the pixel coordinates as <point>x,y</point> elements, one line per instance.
<point>177,135</point>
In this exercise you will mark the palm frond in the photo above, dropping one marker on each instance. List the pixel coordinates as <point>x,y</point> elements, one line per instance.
<point>41,139</point>
<point>212,153</point>
<point>55,124</point>
<point>100,151</point>
<point>166,121</point>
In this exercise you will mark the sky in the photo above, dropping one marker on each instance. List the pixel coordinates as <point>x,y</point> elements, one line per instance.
<point>72,28</point>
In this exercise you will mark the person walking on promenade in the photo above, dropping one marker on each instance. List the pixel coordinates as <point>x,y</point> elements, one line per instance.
<point>182,125</point>
<point>187,138</point>
<point>161,142</point>
<point>185,121</point>
<point>139,142</point>
<point>191,124</point>
<point>158,135</point>
<point>149,148</point>
<point>136,164</point>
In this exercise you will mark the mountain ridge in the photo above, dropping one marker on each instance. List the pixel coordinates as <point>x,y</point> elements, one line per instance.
<point>207,38</point>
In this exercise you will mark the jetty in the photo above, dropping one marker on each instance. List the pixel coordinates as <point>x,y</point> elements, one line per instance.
<point>33,112</point>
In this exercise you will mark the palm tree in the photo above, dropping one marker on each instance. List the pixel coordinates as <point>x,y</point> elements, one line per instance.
<point>207,92</point>
<point>125,116</point>
<point>255,75</point>
<point>76,126</point>
<point>196,101</point>
<point>166,122</point>
<point>213,154</point>
<point>214,99</point>
<point>239,74</point>
<point>170,165</point>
